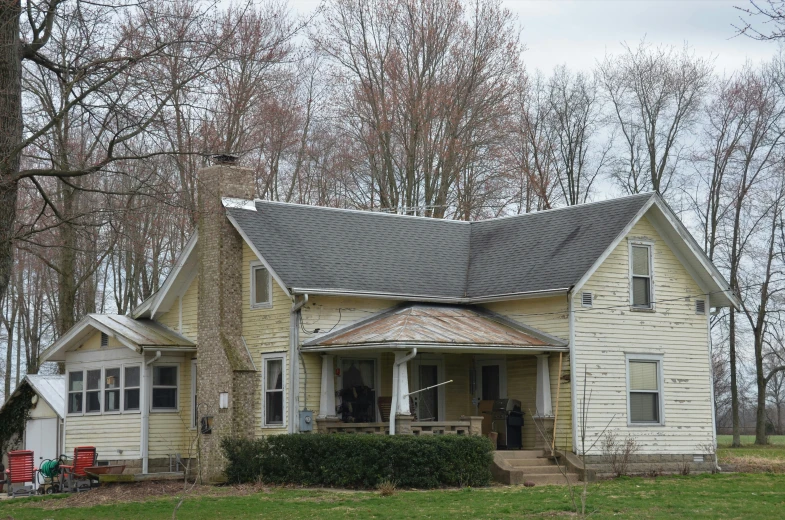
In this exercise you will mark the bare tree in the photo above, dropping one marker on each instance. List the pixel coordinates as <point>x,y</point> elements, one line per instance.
<point>655,94</point>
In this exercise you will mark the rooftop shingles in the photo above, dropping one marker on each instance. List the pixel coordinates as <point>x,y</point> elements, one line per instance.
<point>316,248</point>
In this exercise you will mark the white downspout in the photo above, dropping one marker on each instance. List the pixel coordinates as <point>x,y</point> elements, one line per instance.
<point>294,378</point>
<point>146,411</point>
<point>711,380</point>
<point>396,389</point>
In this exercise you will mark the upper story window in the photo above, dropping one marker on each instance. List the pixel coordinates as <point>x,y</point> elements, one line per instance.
<point>641,280</point>
<point>261,287</point>
<point>644,389</point>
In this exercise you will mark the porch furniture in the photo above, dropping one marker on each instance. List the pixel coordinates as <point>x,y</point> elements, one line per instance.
<point>21,469</point>
<point>508,423</point>
<point>74,477</point>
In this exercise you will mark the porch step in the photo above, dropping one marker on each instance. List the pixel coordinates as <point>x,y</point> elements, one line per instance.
<point>522,463</point>
<point>520,454</point>
<point>517,467</point>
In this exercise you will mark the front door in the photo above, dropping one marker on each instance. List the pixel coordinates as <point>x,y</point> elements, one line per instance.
<point>428,404</point>
<point>491,384</point>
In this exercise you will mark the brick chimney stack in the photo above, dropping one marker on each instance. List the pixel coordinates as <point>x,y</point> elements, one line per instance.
<point>224,365</point>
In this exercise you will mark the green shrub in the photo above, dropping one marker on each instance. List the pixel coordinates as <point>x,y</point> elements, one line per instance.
<point>360,461</point>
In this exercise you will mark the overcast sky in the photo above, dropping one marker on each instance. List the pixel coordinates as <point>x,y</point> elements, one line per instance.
<point>579,32</point>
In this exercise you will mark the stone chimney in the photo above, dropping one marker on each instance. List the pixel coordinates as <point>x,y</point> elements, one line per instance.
<point>224,365</point>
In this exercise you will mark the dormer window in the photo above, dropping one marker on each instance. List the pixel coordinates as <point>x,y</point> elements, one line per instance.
<point>261,287</point>
<point>641,286</point>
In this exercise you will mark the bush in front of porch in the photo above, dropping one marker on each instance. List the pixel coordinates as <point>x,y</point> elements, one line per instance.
<point>361,461</point>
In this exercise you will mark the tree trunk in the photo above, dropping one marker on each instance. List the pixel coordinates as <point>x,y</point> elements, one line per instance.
<point>734,390</point>
<point>10,131</point>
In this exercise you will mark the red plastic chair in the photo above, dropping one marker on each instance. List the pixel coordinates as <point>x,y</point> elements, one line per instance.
<point>74,477</point>
<point>21,469</point>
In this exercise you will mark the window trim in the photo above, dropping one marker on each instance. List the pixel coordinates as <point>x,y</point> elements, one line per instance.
<point>650,246</point>
<point>177,387</point>
<point>659,359</point>
<point>139,387</point>
<point>69,392</point>
<point>265,359</point>
<point>104,389</point>
<point>262,305</point>
<point>100,390</point>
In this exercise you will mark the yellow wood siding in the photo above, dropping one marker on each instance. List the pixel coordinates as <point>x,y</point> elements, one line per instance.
<point>550,315</point>
<point>170,432</point>
<point>190,301</point>
<point>93,342</point>
<point>116,436</point>
<point>265,331</point>
<point>610,329</point>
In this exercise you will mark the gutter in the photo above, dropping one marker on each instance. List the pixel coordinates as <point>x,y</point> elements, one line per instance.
<point>145,434</point>
<point>433,299</point>
<point>396,387</point>
<point>474,348</point>
<point>294,377</point>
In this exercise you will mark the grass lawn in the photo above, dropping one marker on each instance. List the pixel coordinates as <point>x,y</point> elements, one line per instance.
<point>698,496</point>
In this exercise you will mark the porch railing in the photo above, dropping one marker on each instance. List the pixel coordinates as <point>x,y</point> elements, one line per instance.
<point>465,426</point>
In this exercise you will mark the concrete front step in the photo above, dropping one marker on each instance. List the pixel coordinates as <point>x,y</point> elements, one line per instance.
<point>529,463</point>
<point>520,454</point>
<point>518,467</point>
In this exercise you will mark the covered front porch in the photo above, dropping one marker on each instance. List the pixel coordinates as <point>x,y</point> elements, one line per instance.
<point>438,370</point>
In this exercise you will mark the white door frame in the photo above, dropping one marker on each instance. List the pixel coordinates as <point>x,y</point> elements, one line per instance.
<point>481,361</point>
<point>414,379</point>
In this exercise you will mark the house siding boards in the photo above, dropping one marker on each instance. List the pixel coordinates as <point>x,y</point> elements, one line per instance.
<point>265,331</point>
<point>171,432</point>
<point>608,331</point>
<point>190,300</point>
<point>116,436</point>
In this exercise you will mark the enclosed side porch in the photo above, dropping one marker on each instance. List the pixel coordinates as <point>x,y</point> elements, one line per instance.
<point>433,370</point>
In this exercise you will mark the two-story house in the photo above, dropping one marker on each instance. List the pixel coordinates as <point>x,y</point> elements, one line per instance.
<point>283,318</point>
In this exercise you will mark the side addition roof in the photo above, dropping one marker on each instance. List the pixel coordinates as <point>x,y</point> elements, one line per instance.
<point>50,388</point>
<point>136,334</point>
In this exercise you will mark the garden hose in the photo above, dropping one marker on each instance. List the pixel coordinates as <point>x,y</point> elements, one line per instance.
<point>50,468</point>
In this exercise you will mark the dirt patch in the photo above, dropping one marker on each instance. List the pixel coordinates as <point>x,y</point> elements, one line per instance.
<point>753,464</point>
<point>143,491</point>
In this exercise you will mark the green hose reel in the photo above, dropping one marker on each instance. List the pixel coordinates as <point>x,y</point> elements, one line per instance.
<point>50,468</point>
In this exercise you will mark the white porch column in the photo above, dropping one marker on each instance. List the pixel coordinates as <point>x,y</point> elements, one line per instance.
<point>327,400</point>
<point>544,406</point>
<point>401,384</point>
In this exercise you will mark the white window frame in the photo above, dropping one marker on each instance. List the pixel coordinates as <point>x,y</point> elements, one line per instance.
<point>176,409</point>
<point>194,408</point>
<point>100,370</point>
<point>261,305</point>
<point>104,389</point>
<point>123,387</point>
<point>650,246</point>
<point>658,358</point>
<point>68,392</point>
<point>282,358</point>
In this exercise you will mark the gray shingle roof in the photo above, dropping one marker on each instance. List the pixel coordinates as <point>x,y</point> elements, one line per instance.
<point>316,248</point>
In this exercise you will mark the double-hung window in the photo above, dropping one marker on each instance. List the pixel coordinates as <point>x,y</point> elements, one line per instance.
<point>131,388</point>
<point>261,287</point>
<point>273,377</point>
<point>75,389</point>
<point>164,387</point>
<point>644,388</point>
<point>111,390</point>
<point>93,391</point>
<point>641,286</point>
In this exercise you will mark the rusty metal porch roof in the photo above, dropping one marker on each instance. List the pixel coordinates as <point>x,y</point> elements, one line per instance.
<point>437,327</point>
